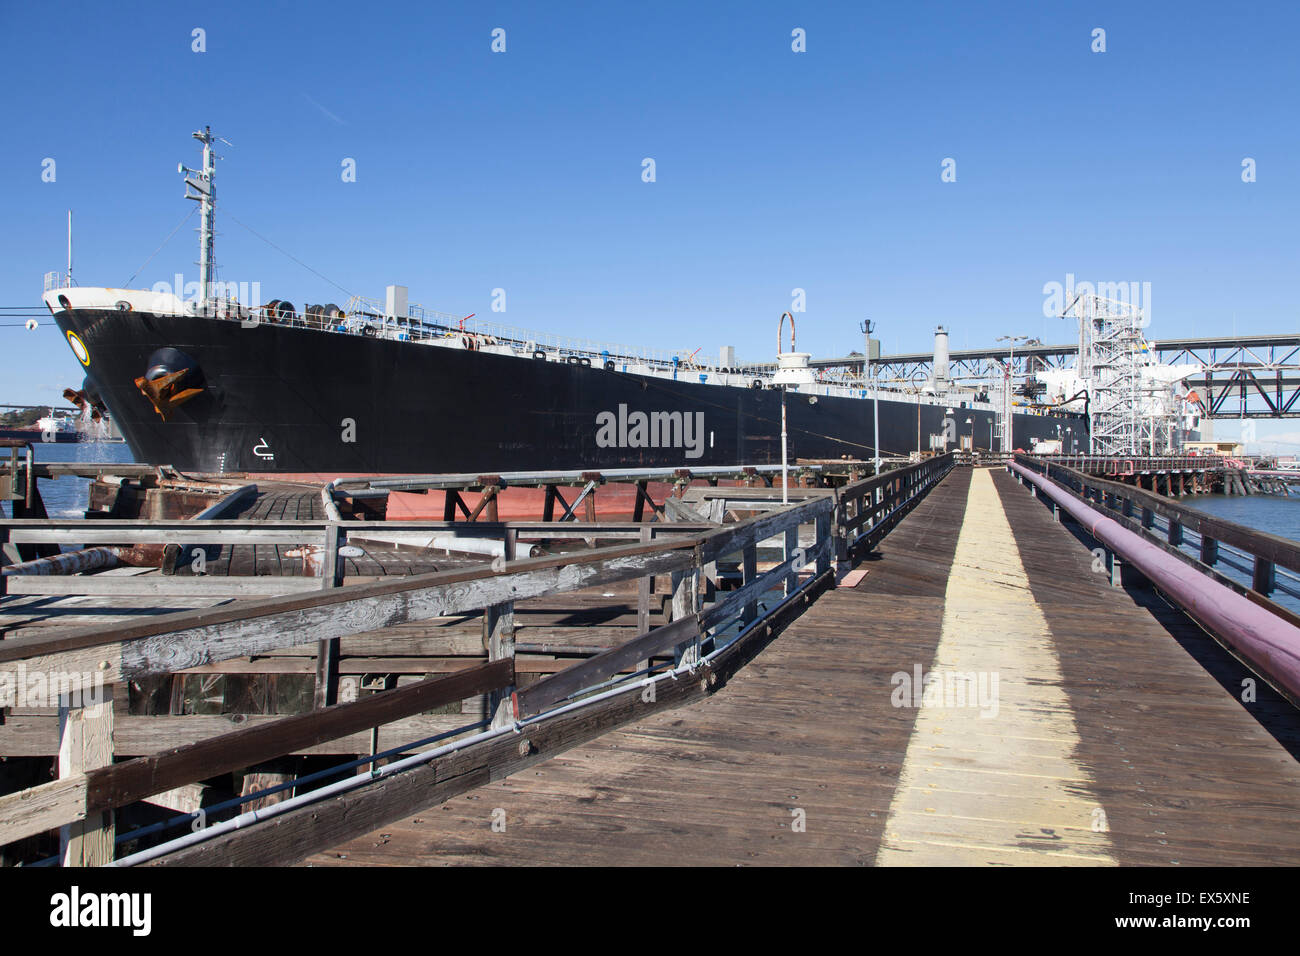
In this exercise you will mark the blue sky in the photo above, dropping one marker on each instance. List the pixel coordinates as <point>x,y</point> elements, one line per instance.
<point>775,170</point>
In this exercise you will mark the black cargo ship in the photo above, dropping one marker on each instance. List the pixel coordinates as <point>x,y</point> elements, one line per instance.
<point>213,385</point>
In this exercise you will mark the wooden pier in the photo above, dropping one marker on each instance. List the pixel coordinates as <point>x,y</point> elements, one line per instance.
<point>1120,736</point>
<point>932,669</point>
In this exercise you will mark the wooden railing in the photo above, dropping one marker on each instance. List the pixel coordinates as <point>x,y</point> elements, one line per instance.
<point>182,536</point>
<point>710,631</point>
<point>1120,465</point>
<point>868,509</point>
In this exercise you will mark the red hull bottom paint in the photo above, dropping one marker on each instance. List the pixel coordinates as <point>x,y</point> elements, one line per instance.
<point>615,501</point>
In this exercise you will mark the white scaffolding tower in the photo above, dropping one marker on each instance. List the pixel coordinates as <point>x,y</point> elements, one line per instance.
<point>1129,413</point>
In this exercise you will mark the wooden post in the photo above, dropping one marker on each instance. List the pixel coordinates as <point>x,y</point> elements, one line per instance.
<point>638,509</point>
<point>1175,532</point>
<point>792,545</point>
<point>327,652</point>
<point>842,508</point>
<point>823,534</point>
<point>685,603</point>
<point>748,571</point>
<point>1264,579</point>
<point>488,500</point>
<point>645,587</point>
<point>86,743</point>
<point>499,638</point>
<point>1209,551</point>
<point>548,505</point>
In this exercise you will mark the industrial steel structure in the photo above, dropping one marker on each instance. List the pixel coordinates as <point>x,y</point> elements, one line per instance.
<point>1236,376</point>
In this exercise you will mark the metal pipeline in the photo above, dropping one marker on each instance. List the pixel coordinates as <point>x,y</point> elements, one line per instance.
<point>1266,641</point>
<point>73,562</point>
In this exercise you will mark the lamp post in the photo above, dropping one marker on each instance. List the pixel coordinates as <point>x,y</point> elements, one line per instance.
<point>867,328</point>
<point>917,389</point>
<point>971,423</point>
<point>1008,433</point>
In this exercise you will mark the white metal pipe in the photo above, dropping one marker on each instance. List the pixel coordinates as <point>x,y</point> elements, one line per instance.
<point>785,463</point>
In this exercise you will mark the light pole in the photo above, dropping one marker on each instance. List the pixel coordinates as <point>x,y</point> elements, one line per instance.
<point>867,328</point>
<point>971,423</point>
<point>917,389</point>
<point>1008,433</point>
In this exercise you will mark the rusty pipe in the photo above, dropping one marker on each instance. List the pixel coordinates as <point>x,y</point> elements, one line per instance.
<point>73,562</point>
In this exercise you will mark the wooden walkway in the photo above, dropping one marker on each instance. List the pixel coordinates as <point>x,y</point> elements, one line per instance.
<point>1114,734</point>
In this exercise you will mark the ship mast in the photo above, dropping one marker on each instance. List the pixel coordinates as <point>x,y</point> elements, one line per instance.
<point>200,181</point>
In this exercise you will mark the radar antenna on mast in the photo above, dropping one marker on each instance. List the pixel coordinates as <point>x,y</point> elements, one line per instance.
<point>201,182</point>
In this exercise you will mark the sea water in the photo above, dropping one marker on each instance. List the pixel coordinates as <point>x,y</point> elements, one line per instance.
<point>69,497</point>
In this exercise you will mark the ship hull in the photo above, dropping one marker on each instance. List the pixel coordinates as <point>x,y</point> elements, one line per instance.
<point>280,399</point>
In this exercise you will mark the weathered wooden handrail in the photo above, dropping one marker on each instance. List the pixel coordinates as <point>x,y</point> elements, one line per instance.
<point>54,804</point>
<point>172,642</point>
<point>290,833</point>
<point>866,508</point>
<point>559,686</point>
<point>43,807</point>
<point>1138,463</point>
<point>248,531</point>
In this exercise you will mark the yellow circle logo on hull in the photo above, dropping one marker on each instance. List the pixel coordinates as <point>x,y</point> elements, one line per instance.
<point>79,348</point>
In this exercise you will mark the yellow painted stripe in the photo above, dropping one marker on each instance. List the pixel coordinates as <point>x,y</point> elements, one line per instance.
<point>997,784</point>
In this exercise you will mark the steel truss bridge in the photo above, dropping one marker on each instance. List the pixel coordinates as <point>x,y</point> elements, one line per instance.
<point>1240,376</point>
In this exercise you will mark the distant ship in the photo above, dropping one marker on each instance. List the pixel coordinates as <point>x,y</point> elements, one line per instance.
<point>213,385</point>
<point>52,428</point>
